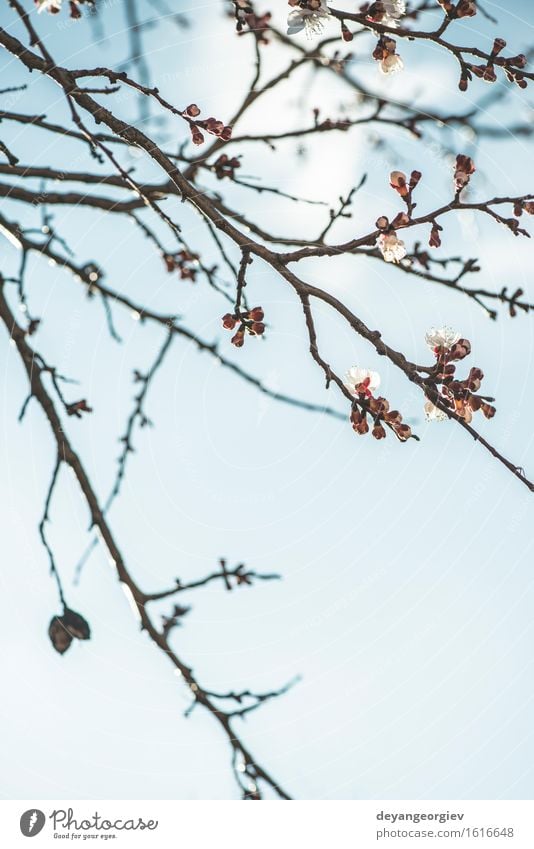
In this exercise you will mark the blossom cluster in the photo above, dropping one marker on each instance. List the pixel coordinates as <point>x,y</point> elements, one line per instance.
<point>446,393</point>
<point>456,395</point>
<point>210,125</point>
<point>362,383</point>
<point>185,262</point>
<point>390,246</point>
<point>310,16</point>
<point>399,182</point>
<point>249,321</point>
<point>512,66</point>
<point>225,166</point>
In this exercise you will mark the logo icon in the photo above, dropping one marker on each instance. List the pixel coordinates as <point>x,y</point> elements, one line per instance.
<point>32,822</point>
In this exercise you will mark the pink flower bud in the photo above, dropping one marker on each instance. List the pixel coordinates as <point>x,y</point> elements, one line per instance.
<point>397,181</point>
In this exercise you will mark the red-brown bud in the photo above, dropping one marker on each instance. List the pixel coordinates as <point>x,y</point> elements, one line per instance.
<point>66,627</point>
<point>379,431</point>
<point>498,45</point>
<point>466,9</point>
<point>239,339</point>
<point>256,314</point>
<point>403,431</point>
<point>461,349</point>
<point>229,321</point>
<point>435,239</point>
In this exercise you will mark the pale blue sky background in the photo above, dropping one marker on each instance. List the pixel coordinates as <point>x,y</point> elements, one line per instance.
<point>406,603</point>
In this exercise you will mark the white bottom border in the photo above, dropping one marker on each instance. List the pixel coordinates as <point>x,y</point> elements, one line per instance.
<point>303,825</point>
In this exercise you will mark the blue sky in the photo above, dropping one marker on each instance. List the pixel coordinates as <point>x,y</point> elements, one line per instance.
<point>407,593</point>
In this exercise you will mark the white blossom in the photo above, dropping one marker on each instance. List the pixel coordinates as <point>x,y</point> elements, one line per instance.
<point>355,377</point>
<point>310,20</point>
<point>393,10</point>
<point>391,64</point>
<point>49,6</point>
<point>391,247</point>
<point>441,337</point>
<point>433,413</point>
